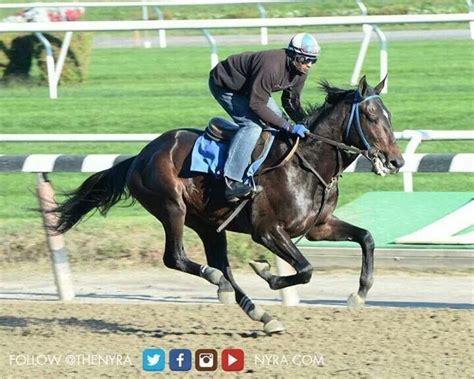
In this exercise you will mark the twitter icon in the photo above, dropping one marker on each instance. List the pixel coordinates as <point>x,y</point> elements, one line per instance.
<point>153,359</point>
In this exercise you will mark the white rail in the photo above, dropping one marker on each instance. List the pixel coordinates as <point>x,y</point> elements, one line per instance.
<point>77,137</point>
<point>113,4</point>
<point>415,137</point>
<point>154,4</point>
<point>46,194</point>
<point>425,135</point>
<point>91,26</point>
<point>98,26</point>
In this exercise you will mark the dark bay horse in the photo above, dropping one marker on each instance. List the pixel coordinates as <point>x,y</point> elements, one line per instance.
<point>298,198</point>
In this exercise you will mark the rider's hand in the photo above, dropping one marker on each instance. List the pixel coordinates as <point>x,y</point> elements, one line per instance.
<point>298,129</point>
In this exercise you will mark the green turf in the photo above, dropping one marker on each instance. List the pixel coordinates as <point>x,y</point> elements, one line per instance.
<point>390,215</point>
<point>153,90</point>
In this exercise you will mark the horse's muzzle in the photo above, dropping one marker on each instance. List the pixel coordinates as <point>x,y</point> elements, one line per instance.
<point>384,163</point>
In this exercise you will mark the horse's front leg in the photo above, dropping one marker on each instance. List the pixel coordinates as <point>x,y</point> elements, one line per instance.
<point>279,243</point>
<point>336,230</point>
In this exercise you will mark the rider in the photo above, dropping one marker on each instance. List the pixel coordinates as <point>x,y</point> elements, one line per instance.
<point>243,85</point>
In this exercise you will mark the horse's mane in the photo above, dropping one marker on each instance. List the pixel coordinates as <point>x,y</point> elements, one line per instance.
<point>313,112</point>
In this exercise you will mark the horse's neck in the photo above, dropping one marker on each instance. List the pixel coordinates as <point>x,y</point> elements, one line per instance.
<point>330,123</point>
<point>323,155</point>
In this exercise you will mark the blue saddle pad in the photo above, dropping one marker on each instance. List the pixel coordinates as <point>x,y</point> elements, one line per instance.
<point>209,156</point>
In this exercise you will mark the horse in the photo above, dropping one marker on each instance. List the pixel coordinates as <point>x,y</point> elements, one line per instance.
<point>350,122</point>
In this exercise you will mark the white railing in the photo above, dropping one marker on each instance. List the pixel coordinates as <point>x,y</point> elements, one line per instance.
<point>415,137</point>
<point>465,163</point>
<point>90,26</point>
<point>100,26</point>
<point>151,3</point>
<point>156,6</point>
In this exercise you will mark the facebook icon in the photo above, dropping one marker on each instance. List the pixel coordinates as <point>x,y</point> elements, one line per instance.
<point>180,360</point>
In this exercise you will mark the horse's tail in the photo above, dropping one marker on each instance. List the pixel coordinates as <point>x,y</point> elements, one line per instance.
<point>100,191</point>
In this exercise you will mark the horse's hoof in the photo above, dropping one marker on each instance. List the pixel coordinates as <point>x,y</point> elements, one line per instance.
<point>226,297</point>
<point>273,326</point>
<point>260,267</point>
<point>355,302</point>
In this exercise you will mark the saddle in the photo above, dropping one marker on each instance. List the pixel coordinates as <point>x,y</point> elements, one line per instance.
<point>220,129</point>
<point>210,149</point>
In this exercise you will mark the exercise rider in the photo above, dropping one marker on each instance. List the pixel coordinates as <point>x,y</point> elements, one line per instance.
<point>243,85</point>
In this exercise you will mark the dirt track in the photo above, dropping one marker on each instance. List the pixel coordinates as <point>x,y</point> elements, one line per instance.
<point>376,342</point>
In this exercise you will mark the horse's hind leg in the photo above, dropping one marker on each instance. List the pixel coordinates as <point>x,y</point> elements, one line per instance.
<point>216,252</point>
<point>171,212</point>
<point>172,217</point>
<point>252,310</point>
<point>215,247</point>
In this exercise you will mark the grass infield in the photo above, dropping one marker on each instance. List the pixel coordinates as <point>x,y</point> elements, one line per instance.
<point>153,90</point>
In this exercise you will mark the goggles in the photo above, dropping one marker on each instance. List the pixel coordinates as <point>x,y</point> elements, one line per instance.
<point>306,60</point>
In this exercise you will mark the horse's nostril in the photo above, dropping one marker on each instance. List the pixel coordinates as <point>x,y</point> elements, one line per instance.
<point>397,162</point>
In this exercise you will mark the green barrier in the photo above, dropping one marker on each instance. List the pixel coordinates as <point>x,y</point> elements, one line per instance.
<point>390,215</point>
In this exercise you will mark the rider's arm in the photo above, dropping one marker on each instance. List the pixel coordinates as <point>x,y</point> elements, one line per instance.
<point>290,99</point>
<point>260,92</point>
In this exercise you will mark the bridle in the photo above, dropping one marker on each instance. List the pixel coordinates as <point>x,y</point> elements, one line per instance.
<point>355,116</point>
<point>370,152</point>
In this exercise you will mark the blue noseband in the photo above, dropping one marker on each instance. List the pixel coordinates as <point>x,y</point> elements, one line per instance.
<point>358,99</point>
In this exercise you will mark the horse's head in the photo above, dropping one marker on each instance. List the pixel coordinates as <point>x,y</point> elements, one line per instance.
<point>370,128</point>
<point>367,124</point>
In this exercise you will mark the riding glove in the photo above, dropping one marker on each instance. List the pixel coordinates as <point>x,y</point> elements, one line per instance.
<point>298,129</point>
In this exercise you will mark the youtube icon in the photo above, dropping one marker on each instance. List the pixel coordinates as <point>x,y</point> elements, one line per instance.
<point>232,359</point>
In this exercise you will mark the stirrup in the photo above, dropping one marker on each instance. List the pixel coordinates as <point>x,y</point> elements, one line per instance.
<point>236,191</point>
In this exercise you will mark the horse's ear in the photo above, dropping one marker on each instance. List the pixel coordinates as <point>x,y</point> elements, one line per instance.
<point>379,87</point>
<point>362,86</point>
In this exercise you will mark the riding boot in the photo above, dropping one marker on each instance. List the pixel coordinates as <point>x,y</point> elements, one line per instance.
<point>236,190</point>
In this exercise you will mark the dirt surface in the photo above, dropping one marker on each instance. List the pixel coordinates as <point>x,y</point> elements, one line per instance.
<point>416,324</point>
<point>319,341</point>
<point>442,289</point>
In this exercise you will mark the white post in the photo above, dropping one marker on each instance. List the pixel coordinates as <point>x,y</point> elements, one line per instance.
<point>146,42</point>
<point>53,85</point>
<point>162,37</point>
<point>383,57</point>
<point>289,295</point>
<point>263,30</point>
<point>471,11</point>
<point>264,36</point>
<point>362,52</point>
<point>161,32</point>
<point>367,29</point>
<point>62,56</point>
<point>213,47</point>
<point>415,140</point>
<point>62,273</point>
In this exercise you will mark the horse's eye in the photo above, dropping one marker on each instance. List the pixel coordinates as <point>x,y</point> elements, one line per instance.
<point>371,117</point>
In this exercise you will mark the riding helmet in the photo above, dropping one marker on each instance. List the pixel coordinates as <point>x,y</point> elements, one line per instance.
<point>304,44</point>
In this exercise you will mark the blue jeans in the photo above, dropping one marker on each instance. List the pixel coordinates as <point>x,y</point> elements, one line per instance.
<point>250,128</point>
